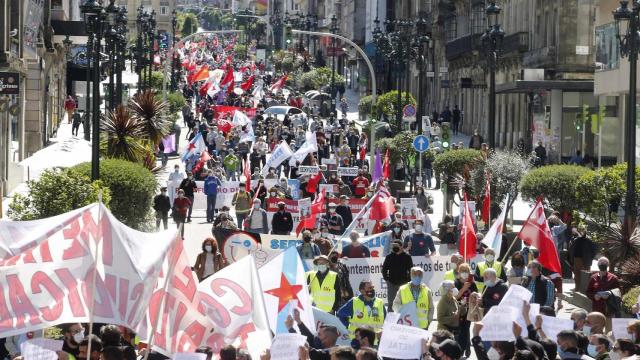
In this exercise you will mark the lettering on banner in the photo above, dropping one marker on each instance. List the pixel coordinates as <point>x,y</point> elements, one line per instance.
<point>348,171</point>
<point>308,170</point>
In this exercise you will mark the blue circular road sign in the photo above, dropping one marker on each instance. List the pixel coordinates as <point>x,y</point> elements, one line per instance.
<point>421,143</point>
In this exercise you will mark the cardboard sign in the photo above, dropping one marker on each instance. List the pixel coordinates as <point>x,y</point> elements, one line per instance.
<point>308,170</point>
<point>553,325</point>
<point>619,328</point>
<point>285,346</point>
<point>498,324</point>
<point>401,341</point>
<point>348,171</point>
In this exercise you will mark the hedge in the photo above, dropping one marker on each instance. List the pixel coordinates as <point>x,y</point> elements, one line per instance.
<point>387,103</point>
<point>554,183</point>
<point>132,189</point>
<point>56,192</point>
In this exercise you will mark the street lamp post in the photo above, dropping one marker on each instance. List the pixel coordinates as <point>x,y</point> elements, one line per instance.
<point>420,41</point>
<point>140,28</point>
<point>334,30</point>
<point>121,47</point>
<point>87,125</point>
<point>492,44</point>
<point>627,26</point>
<point>93,17</point>
<point>110,37</point>
<point>152,42</point>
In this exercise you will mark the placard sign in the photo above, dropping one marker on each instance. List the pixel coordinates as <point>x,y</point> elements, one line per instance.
<point>308,170</point>
<point>9,83</point>
<point>348,171</point>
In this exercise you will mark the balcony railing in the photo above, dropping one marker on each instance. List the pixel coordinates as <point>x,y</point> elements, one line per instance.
<point>462,46</point>
<point>516,42</point>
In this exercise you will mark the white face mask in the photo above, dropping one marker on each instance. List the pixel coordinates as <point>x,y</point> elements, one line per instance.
<point>78,337</point>
<point>464,276</point>
<point>493,354</point>
<point>209,248</point>
<point>256,206</point>
<point>489,258</point>
<point>454,292</point>
<point>614,355</point>
<point>273,194</point>
<point>418,227</point>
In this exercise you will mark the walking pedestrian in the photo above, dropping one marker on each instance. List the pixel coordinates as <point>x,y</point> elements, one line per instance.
<point>162,205</point>
<point>211,184</point>
<point>189,187</point>
<point>181,206</point>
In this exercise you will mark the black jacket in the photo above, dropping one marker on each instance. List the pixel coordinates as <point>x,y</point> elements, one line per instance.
<point>493,295</point>
<point>345,213</point>
<point>161,203</point>
<point>281,223</point>
<point>189,187</point>
<point>396,268</point>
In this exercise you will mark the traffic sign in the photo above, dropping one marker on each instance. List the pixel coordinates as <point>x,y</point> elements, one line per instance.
<point>409,111</point>
<point>421,143</point>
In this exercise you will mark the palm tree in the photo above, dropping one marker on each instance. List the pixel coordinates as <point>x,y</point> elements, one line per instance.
<point>150,112</point>
<point>123,135</point>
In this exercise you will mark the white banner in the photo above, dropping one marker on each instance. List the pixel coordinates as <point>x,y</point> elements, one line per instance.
<point>279,154</point>
<point>348,171</point>
<point>308,170</point>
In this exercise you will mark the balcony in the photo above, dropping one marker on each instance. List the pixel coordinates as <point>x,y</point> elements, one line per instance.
<point>516,42</point>
<point>540,58</point>
<point>462,46</point>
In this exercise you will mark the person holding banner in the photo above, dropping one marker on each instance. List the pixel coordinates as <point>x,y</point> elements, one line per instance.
<point>363,310</point>
<point>418,292</point>
<point>209,261</point>
<point>324,285</point>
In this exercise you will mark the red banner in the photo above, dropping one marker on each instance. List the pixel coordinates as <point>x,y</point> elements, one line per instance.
<point>221,111</point>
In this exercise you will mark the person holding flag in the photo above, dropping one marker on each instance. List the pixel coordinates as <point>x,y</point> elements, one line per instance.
<point>324,285</point>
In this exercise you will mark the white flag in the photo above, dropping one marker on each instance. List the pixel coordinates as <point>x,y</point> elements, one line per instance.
<point>310,145</point>
<point>493,239</point>
<point>240,118</point>
<point>279,154</point>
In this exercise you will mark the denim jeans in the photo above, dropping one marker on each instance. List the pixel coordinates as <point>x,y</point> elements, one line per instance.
<point>211,206</point>
<point>231,175</point>
<point>190,208</point>
<point>240,218</point>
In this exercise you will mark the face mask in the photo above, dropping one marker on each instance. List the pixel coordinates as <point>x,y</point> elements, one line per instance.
<point>396,249</point>
<point>189,177</point>
<point>528,272</point>
<point>355,343</point>
<point>603,267</point>
<point>454,291</point>
<point>281,208</point>
<point>493,354</point>
<point>418,227</point>
<point>209,248</point>
<point>273,194</point>
<point>592,350</point>
<point>321,268</point>
<point>464,276</point>
<point>396,230</point>
<point>561,353</point>
<point>78,337</point>
<point>614,355</point>
<point>332,211</point>
<point>306,239</point>
<point>176,170</point>
<point>586,330</point>
<point>416,280</point>
<point>489,258</point>
<point>256,206</point>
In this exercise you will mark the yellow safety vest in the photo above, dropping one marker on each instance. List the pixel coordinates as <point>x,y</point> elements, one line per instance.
<point>497,266</point>
<point>323,295</point>
<point>450,275</point>
<point>366,316</point>
<point>422,305</point>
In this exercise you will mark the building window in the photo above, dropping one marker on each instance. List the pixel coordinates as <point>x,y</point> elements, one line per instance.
<point>478,25</point>
<point>450,28</point>
<point>607,53</point>
<point>164,10</point>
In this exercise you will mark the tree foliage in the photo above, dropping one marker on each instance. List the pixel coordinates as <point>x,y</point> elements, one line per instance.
<point>400,147</point>
<point>456,163</point>
<point>132,189</point>
<point>318,78</point>
<point>189,25</point>
<point>123,135</point>
<point>56,192</point>
<point>387,103</point>
<point>505,170</point>
<point>151,113</point>
<point>556,184</point>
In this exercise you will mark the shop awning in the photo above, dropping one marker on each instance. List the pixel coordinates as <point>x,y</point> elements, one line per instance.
<point>528,86</point>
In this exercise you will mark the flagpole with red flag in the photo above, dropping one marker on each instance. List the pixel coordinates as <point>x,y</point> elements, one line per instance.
<point>486,203</point>
<point>468,245</point>
<point>536,232</point>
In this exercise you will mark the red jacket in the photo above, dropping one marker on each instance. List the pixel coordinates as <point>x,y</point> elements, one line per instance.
<point>181,206</point>
<point>598,283</point>
<point>360,185</point>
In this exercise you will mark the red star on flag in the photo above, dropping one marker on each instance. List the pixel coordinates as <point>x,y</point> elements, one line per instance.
<point>285,293</point>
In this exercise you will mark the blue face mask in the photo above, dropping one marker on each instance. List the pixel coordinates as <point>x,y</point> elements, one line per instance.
<point>528,272</point>
<point>355,343</point>
<point>561,353</point>
<point>416,280</point>
<point>592,350</point>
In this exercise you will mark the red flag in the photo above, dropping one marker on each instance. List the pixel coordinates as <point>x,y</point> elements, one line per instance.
<point>204,88</point>
<point>386,171</point>
<point>247,84</point>
<point>382,205</point>
<point>228,77</point>
<point>468,234</point>
<point>309,221</point>
<point>279,84</point>
<point>224,125</point>
<point>247,174</point>
<point>312,184</point>
<point>535,232</point>
<point>486,203</point>
<point>363,151</point>
<point>378,228</point>
<point>202,74</point>
<point>203,160</point>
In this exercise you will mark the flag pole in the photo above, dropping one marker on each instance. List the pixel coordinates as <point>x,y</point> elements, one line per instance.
<point>518,236</point>
<point>354,222</point>
<point>164,292</point>
<point>95,272</point>
<point>464,226</point>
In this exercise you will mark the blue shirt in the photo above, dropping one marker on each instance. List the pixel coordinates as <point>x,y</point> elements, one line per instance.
<point>211,184</point>
<point>421,244</point>
<point>346,311</point>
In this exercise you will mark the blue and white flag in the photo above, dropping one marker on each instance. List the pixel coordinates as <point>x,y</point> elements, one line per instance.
<point>195,148</point>
<point>493,239</point>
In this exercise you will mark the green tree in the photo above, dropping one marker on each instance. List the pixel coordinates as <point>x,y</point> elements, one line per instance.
<point>132,189</point>
<point>56,192</point>
<point>387,104</point>
<point>189,25</point>
<point>457,163</point>
<point>556,184</point>
<point>505,169</point>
